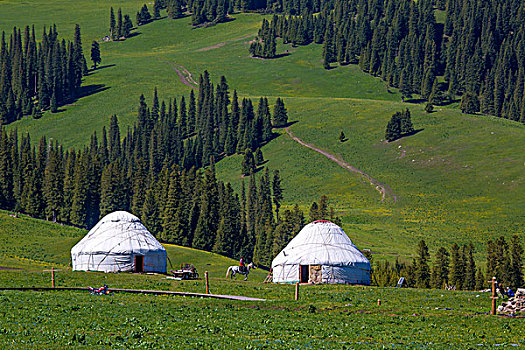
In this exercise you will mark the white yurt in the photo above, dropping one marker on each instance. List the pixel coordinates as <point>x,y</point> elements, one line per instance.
<point>321,253</point>
<point>119,243</point>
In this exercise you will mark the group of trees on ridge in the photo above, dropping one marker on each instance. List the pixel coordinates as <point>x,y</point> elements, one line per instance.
<point>155,172</point>
<point>399,125</point>
<point>455,268</point>
<point>119,28</point>
<point>478,51</point>
<point>38,76</point>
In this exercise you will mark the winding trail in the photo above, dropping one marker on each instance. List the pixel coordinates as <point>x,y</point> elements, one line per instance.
<point>382,188</point>
<point>184,75</point>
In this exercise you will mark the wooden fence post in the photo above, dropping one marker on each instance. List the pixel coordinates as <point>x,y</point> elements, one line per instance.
<point>297,291</point>
<point>494,297</point>
<point>52,276</point>
<point>207,283</point>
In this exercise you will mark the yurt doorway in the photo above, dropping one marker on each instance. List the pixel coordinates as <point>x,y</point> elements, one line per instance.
<point>304,273</point>
<point>139,263</point>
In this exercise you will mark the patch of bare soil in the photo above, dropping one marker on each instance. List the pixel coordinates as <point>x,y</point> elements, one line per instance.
<point>184,75</point>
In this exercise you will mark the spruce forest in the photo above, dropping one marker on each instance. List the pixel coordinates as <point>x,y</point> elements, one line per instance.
<point>49,72</point>
<point>154,172</point>
<point>479,49</point>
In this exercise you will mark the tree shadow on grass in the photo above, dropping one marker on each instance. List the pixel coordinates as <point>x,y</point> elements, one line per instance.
<point>133,34</point>
<point>83,91</point>
<point>89,90</point>
<point>416,131</point>
<point>415,100</point>
<point>93,71</point>
<point>276,134</point>
<point>105,66</point>
<point>281,55</point>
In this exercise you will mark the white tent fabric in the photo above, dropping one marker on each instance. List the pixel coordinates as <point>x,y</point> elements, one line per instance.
<point>114,244</point>
<point>326,246</point>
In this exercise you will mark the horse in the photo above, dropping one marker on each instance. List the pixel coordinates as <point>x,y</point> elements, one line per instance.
<point>237,269</point>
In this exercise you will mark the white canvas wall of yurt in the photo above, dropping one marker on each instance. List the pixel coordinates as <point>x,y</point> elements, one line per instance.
<point>321,253</point>
<point>119,242</point>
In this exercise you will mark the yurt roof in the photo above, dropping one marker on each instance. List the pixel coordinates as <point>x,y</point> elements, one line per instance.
<point>118,233</point>
<point>320,243</point>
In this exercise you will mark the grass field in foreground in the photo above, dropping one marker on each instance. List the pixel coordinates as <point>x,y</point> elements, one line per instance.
<point>326,316</point>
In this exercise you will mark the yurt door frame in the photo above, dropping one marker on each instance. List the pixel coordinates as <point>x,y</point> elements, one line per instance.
<point>304,273</point>
<point>139,263</point>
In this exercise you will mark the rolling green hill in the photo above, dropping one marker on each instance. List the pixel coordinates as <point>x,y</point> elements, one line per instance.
<point>459,179</point>
<point>35,244</point>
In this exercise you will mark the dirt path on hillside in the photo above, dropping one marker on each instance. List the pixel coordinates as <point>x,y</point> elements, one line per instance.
<point>184,75</point>
<point>382,188</point>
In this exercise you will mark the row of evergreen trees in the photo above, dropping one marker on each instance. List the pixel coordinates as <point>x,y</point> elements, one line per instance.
<point>456,268</point>
<point>264,45</point>
<point>479,49</point>
<point>38,76</point>
<point>119,28</point>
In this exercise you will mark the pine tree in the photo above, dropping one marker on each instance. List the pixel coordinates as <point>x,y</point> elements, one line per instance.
<point>127,26</point>
<point>120,26</point>
<point>206,229</point>
<point>470,267</point>
<point>516,268</point>
<point>440,269</point>
<point>314,212</point>
<point>53,184</point>
<point>114,139</point>
<point>323,207</point>
<point>277,192</point>
<point>156,9</point>
<point>95,54</point>
<point>422,273</point>
<point>406,123</point>
<point>393,128</point>
<point>342,137</point>
<point>480,279</point>
<point>280,115</point>
<point>53,103</point>
<point>469,103</point>
<point>259,158</point>
<point>150,214</point>
<point>457,267</point>
<point>112,25</point>
<point>248,163</point>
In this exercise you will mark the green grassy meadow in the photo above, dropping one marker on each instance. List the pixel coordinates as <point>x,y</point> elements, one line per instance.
<point>459,179</point>
<point>325,317</point>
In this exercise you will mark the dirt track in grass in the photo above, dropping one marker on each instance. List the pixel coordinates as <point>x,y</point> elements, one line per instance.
<point>383,189</point>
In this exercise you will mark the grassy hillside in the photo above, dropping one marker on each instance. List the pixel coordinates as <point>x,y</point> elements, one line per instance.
<point>334,317</point>
<point>459,179</point>
<point>36,244</point>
